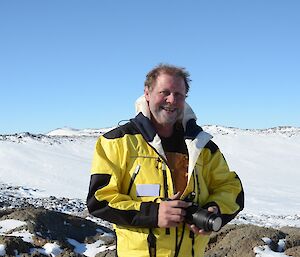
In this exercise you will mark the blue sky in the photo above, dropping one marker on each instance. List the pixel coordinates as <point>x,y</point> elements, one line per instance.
<point>82,64</point>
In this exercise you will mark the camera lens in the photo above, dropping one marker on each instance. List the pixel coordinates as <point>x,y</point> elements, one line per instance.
<point>215,223</point>
<point>203,219</point>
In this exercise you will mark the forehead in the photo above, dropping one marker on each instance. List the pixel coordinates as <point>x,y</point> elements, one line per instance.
<point>170,81</point>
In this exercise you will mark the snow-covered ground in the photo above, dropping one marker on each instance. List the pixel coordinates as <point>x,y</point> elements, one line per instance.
<point>58,164</point>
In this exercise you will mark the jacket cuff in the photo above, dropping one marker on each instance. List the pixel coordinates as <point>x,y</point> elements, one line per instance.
<point>149,211</point>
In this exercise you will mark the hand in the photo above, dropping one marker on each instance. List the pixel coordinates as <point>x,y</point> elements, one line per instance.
<point>171,213</point>
<point>199,231</point>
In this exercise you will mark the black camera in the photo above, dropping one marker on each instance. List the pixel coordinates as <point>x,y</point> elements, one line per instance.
<point>202,218</point>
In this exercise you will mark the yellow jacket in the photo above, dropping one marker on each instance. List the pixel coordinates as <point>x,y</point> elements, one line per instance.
<point>130,177</point>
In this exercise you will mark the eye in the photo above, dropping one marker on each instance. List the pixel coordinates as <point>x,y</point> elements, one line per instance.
<point>164,93</point>
<point>179,96</point>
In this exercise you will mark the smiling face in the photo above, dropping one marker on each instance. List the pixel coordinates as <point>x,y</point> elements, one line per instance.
<point>166,100</point>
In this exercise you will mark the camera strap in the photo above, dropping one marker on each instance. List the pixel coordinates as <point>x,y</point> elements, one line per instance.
<point>178,245</point>
<point>192,236</point>
<point>151,243</point>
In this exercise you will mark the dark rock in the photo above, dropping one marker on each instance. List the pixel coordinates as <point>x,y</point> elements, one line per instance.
<point>294,251</point>
<point>48,227</point>
<point>14,244</point>
<point>240,240</point>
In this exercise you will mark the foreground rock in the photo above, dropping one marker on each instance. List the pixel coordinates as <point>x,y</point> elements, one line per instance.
<point>68,235</point>
<point>45,228</point>
<point>246,240</point>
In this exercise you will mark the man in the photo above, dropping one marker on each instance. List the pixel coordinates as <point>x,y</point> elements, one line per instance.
<point>143,171</point>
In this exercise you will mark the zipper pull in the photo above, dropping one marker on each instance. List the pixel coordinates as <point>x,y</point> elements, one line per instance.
<point>157,163</point>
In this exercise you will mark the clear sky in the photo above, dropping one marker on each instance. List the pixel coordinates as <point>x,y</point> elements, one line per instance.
<point>82,64</point>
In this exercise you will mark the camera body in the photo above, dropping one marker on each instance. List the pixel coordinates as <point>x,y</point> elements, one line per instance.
<point>203,219</point>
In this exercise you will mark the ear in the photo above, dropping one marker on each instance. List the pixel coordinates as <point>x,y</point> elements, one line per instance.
<point>147,93</point>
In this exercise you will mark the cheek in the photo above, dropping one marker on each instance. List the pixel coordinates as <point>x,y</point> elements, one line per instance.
<point>180,105</point>
<point>158,100</point>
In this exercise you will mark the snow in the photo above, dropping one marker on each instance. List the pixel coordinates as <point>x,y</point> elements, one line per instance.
<point>25,235</point>
<point>10,224</point>
<point>89,250</point>
<point>2,250</point>
<point>52,249</point>
<point>267,163</point>
<point>265,251</point>
<point>59,169</point>
<point>58,164</point>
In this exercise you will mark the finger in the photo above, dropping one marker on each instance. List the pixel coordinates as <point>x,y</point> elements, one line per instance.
<point>194,229</point>
<point>203,232</point>
<point>198,231</point>
<point>170,220</point>
<point>169,208</point>
<point>213,209</point>
<point>176,218</point>
<point>177,211</point>
<point>180,204</point>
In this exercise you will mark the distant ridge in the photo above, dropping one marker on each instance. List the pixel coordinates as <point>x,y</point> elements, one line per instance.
<point>212,129</point>
<point>66,131</point>
<point>280,130</point>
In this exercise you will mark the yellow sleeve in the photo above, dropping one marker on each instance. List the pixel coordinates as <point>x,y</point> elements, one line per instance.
<point>224,186</point>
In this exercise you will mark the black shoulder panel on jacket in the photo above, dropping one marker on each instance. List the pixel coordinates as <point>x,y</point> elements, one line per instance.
<point>192,129</point>
<point>144,126</point>
<point>211,146</point>
<point>126,129</point>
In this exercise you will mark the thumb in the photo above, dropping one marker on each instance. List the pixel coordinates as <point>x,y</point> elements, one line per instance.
<point>176,196</point>
<point>213,209</point>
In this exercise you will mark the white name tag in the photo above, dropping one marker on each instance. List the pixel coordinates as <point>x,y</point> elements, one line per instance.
<point>147,189</point>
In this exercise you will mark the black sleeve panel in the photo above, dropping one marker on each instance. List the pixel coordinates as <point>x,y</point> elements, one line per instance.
<point>145,218</point>
<point>97,182</point>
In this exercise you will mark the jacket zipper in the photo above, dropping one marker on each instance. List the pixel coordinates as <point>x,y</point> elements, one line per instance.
<point>136,171</point>
<point>197,183</point>
<point>166,195</point>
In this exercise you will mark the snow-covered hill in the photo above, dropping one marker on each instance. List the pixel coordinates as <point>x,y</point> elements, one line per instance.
<point>77,132</point>
<point>267,161</point>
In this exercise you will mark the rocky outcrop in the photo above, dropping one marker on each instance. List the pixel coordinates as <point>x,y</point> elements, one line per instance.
<point>70,233</point>
<point>248,240</point>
